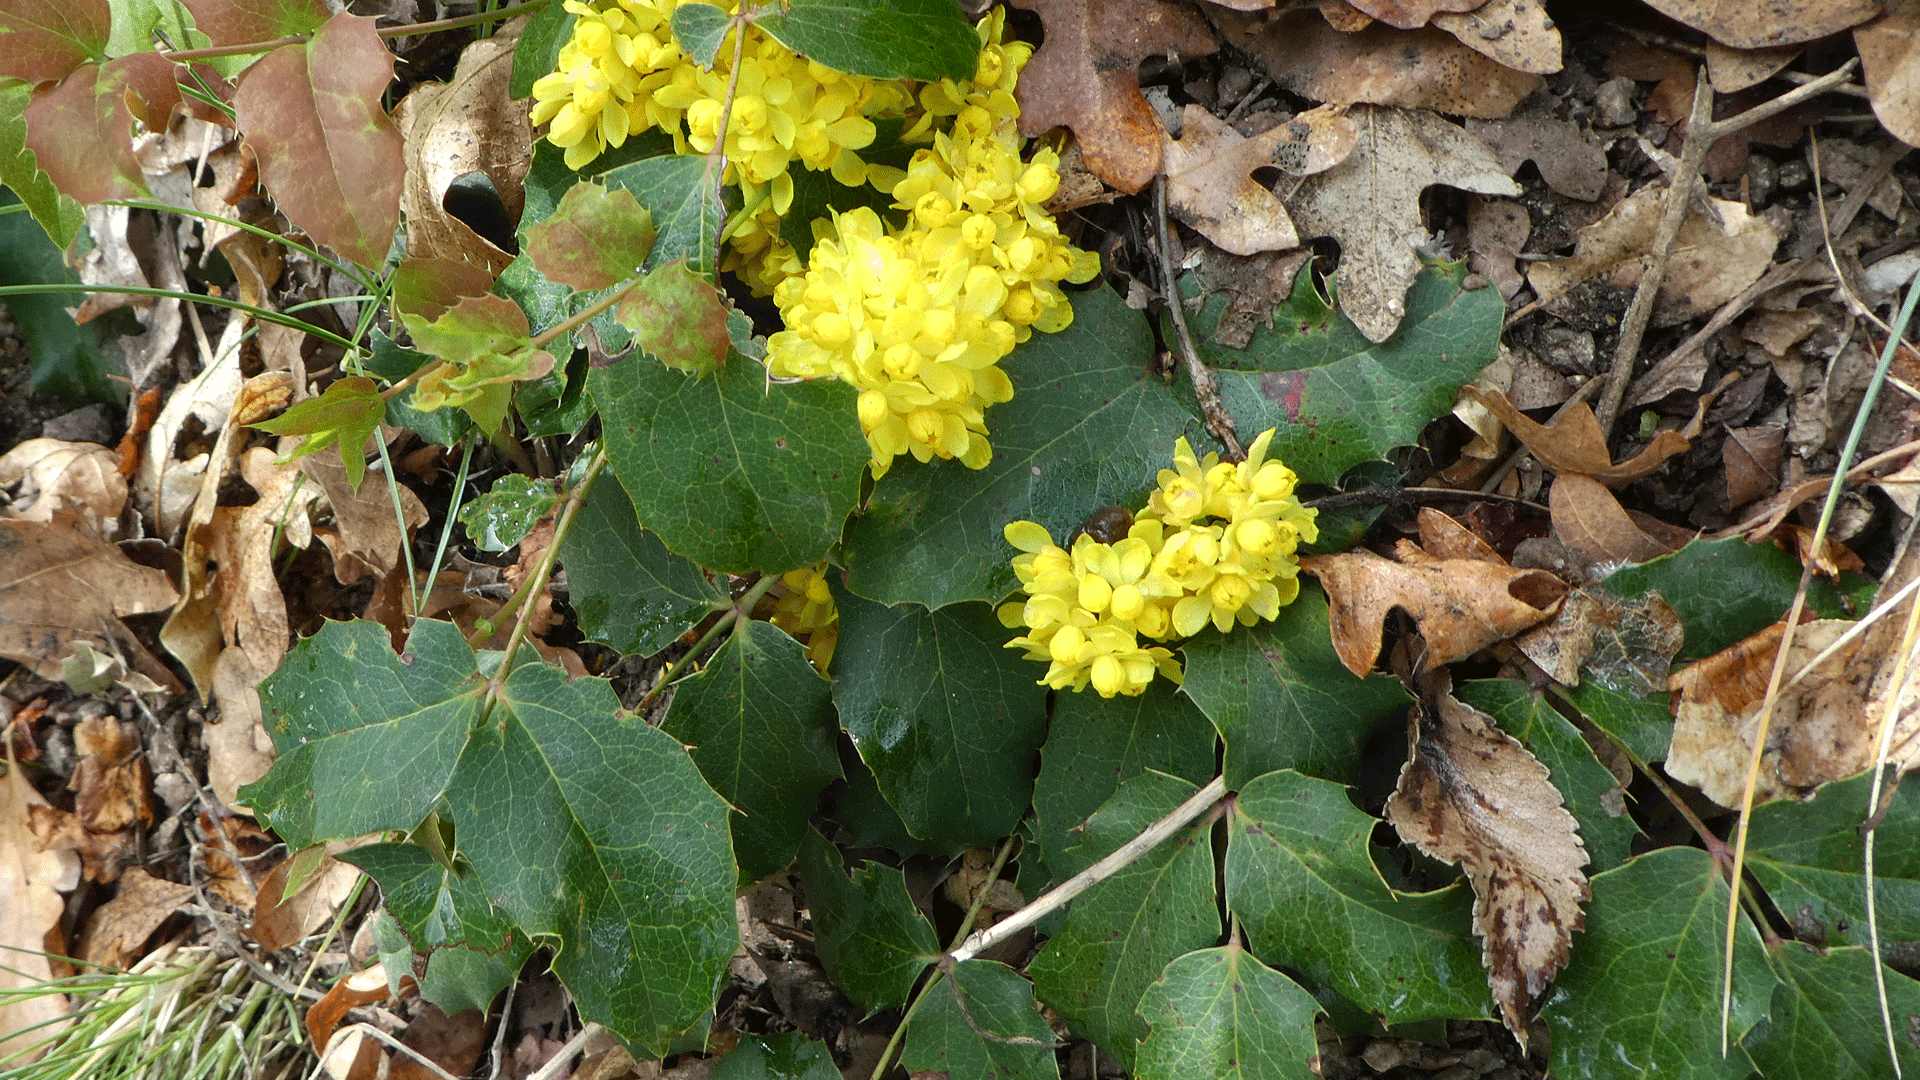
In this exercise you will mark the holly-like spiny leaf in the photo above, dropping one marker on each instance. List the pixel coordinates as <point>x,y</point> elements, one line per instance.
<point>486,346</point>
<point>597,237</point>
<point>435,905</point>
<point>1222,1013</point>
<point>699,28</point>
<point>1724,590</point>
<point>679,317</point>
<point>628,590</point>
<point>883,39</point>
<point>344,414</point>
<point>86,122</point>
<point>226,22</point>
<point>46,39</point>
<point>981,1021</point>
<point>870,937</point>
<point>786,1056</point>
<point>1825,1023</point>
<point>1808,856</point>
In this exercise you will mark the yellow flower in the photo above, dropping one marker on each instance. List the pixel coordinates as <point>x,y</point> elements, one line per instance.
<point>806,611</point>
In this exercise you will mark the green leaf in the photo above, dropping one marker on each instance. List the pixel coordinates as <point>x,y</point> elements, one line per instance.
<point>599,829</point>
<point>1302,881</point>
<point>1336,398</point>
<point>818,194</point>
<point>597,237</point>
<point>1808,857</point>
<point>1725,590</point>
<point>870,937</point>
<point>679,317</point>
<point>67,360</point>
<point>947,718</point>
<point>1282,699</point>
<point>1641,996</point>
<point>60,216</point>
<point>1825,1021</point>
<point>1095,744</point>
<point>980,1022</point>
<point>537,53</point>
<point>344,414</point>
<point>1120,935</point>
<point>884,39</point>
<point>435,906</point>
<point>787,1056</point>
<point>699,28</point>
<point>1221,1013</point>
<point>728,471</point>
<point>1642,725</point>
<point>1089,426</point>
<point>867,820</point>
<point>485,343</point>
<point>1586,785</point>
<point>365,739</point>
<point>686,205</point>
<point>508,511</point>
<point>628,590</point>
<point>393,363</point>
<point>762,728</point>
<point>459,978</point>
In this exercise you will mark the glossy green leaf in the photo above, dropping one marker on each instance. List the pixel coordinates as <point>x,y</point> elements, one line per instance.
<point>1591,793</point>
<point>1825,1020</point>
<point>733,473</point>
<point>1641,996</point>
<point>537,52</point>
<point>699,28</point>
<point>867,820</point>
<point>1642,725</point>
<point>1095,744</point>
<point>1120,935</point>
<point>68,361</point>
<point>1221,1013</point>
<point>628,590</point>
<point>761,726</point>
<point>435,906</point>
<point>818,194</point>
<point>598,829</point>
<point>60,216</point>
<point>1302,881</point>
<point>460,978</point>
<point>365,739</point>
<point>686,205</point>
<point>1090,425</point>
<point>884,39</point>
<point>508,511</point>
<point>344,414</point>
<point>596,237</point>
<point>1725,590</point>
<point>1281,698</point>
<point>871,939</point>
<point>980,1023</point>
<point>1808,856</point>
<point>947,718</point>
<point>1336,398</point>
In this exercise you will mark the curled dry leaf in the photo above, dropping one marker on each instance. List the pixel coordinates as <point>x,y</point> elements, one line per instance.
<point>1471,795</point>
<point>280,920</point>
<point>1444,537</point>
<point>1623,645</point>
<point>364,537</point>
<point>454,129</point>
<point>1515,33</point>
<point>113,789</point>
<point>1593,524</point>
<point>116,933</point>
<point>1411,69</point>
<point>239,750</point>
<point>1744,24</point>
<point>1890,53</point>
<point>1209,174</point>
<point>61,585</point>
<point>244,592</point>
<point>1575,444</point>
<point>1085,77</point>
<point>52,473</point>
<point>1460,605</point>
<point>1715,256</point>
<point>32,877</point>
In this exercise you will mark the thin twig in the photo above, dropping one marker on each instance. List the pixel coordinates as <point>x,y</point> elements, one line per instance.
<point>1205,390</point>
<point>558,1062</point>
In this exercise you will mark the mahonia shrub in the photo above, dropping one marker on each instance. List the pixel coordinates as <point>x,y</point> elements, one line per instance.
<point>1214,545</point>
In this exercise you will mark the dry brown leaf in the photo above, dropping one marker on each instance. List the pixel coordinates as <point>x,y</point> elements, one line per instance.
<point>456,128</point>
<point>1890,52</point>
<point>60,585</point>
<point>1085,77</point>
<point>226,848</point>
<point>1460,605</point>
<point>1411,14</point>
<point>1712,260</point>
<point>1470,794</point>
<point>1752,459</point>
<point>244,590</point>
<point>1209,170</point>
<point>1733,70</point>
<point>1590,521</point>
<point>32,877</point>
<point>111,783</point>
<point>280,921</point>
<point>1745,24</point>
<point>1443,536</point>
<point>1255,285</point>
<point>1497,231</point>
<point>1411,69</point>
<point>1515,33</point>
<point>1371,204</point>
<point>1339,14</point>
<point>52,473</point>
<point>455,1043</point>
<point>364,537</point>
<point>1570,162</point>
<point>1625,645</point>
<point>1903,487</point>
<point>1575,444</point>
<point>118,929</point>
<point>239,750</point>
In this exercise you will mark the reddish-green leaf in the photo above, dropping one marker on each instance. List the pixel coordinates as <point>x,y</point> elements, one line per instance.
<point>484,341</point>
<point>327,150</point>
<point>48,38</point>
<point>427,287</point>
<point>82,130</point>
<point>678,316</point>
<point>241,22</point>
<point>346,414</point>
<point>595,238</point>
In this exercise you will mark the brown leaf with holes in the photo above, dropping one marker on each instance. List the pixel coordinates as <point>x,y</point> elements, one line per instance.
<point>1514,33</point>
<point>1471,795</point>
<point>61,585</point>
<point>1460,605</point>
<point>1746,24</point>
<point>1209,170</point>
<point>453,130</point>
<point>1575,444</point>
<point>1411,69</point>
<point>1890,53</point>
<point>1085,77</point>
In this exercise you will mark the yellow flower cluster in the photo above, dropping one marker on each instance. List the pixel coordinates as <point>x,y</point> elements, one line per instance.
<point>807,613</point>
<point>1214,545</point>
<point>917,317</point>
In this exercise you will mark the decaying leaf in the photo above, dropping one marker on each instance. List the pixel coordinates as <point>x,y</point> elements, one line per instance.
<point>1410,69</point>
<point>1569,161</point>
<point>32,878</point>
<point>240,539</point>
<point>60,585</point>
<point>364,537</point>
<point>281,920</point>
<point>1733,70</point>
<point>1744,24</point>
<point>113,788</point>
<point>52,473</point>
<point>1890,52</point>
<point>1410,14</point>
<point>1575,444</point>
<point>1460,605</point>
<point>1085,77</point>
<point>1752,458</point>
<point>1715,256</point>
<point>1624,645</point>
<point>1516,33</point>
<point>117,931</point>
<point>1209,174</point>
<point>239,750</point>
<point>452,130</point>
<point>1371,204</point>
<point>1593,524</point>
<point>1470,794</point>
<point>1444,537</point>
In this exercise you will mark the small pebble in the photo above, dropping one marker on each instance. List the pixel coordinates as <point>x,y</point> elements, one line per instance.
<point>1234,84</point>
<point>1762,177</point>
<point>1613,103</point>
<point>1455,1072</point>
<point>1795,177</point>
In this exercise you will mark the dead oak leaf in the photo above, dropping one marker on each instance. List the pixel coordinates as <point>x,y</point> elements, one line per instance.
<point>244,591</point>
<point>365,536</point>
<point>113,789</point>
<point>1085,77</point>
<point>1745,24</point>
<point>117,931</point>
<point>1460,605</point>
<point>1209,170</point>
<point>1575,444</point>
<point>1593,524</point>
<point>1370,203</point>
<point>1470,794</point>
<point>32,877</point>
<point>1890,54</point>
<point>1514,33</point>
<point>1411,14</point>
<point>61,585</point>
<point>1624,645</point>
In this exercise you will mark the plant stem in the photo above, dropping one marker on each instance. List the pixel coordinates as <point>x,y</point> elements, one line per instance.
<point>386,33</point>
<point>743,608</point>
<point>543,571</point>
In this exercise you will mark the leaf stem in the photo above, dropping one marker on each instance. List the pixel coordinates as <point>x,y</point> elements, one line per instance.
<point>742,608</point>
<point>543,571</point>
<point>257,312</point>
